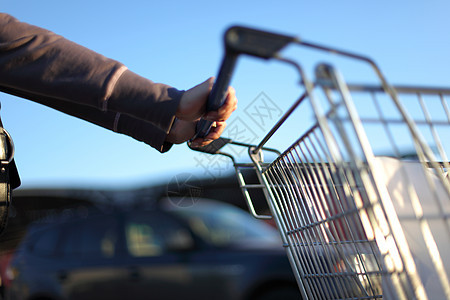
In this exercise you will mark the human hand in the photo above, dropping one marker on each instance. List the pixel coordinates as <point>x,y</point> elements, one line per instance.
<point>192,107</point>
<point>183,131</point>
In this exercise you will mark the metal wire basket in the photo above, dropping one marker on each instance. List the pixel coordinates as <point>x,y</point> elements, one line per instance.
<point>356,224</point>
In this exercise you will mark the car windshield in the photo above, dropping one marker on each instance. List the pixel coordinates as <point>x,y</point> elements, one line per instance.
<point>225,225</point>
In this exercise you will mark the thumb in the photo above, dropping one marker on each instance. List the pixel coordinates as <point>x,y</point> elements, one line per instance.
<point>193,102</point>
<point>203,89</point>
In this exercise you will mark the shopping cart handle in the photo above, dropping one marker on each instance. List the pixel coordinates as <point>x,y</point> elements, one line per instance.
<point>239,40</point>
<point>218,93</point>
<point>254,42</point>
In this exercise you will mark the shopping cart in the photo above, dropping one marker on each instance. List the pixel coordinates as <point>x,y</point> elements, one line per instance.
<point>356,224</point>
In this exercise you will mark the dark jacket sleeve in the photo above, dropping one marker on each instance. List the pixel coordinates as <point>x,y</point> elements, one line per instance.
<point>121,123</point>
<point>44,67</point>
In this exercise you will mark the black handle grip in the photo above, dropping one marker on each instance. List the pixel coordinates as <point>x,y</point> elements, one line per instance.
<point>239,40</point>
<point>218,93</point>
<point>254,42</point>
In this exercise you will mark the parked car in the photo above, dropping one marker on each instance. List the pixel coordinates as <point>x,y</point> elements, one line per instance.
<point>209,250</point>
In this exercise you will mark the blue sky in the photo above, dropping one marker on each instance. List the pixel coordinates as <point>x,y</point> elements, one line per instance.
<point>179,43</point>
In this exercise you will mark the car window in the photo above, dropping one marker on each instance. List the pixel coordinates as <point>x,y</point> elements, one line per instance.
<point>225,225</point>
<point>95,238</point>
<point>153,234</point>
<point>45,242</point>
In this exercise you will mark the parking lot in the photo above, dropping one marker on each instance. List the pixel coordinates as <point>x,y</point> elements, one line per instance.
<point>74,244</point>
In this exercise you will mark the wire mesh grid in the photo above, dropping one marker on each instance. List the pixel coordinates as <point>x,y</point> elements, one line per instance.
<point>359,224</point>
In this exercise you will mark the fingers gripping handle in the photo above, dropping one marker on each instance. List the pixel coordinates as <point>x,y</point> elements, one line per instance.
<point>218,93</point>
<point>239,40</point>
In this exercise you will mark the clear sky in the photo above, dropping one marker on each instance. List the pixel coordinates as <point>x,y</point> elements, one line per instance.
<point>179,43</point>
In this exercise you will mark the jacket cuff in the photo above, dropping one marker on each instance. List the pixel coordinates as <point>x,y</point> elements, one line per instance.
<point>142,131</point>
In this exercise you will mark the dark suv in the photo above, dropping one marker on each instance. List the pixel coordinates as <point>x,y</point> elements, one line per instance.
<point>209,250</point>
